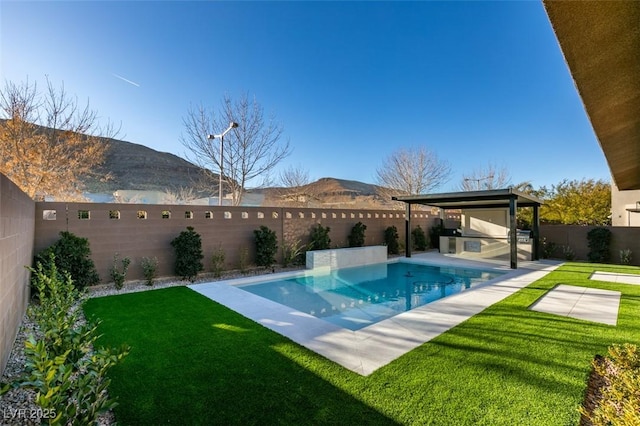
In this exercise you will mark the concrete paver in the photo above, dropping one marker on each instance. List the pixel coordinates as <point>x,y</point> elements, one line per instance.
<point>589,304</point>
<point>616,277</point>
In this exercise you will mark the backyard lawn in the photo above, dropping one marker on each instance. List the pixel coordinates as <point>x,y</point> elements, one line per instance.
<point>193,361</point>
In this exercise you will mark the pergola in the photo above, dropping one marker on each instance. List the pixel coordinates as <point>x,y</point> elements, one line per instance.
<point>507,198</point>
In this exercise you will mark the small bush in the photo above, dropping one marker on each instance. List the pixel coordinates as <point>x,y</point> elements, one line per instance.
<point>620,402</point>
<point>243,260</point>
<point>434,235</point>
<point>266,246</point>
<point>293,253</point>
<point>72,255</point>
<point>568,253</point>
<point>149,269</point>
<point>548,248</point>
<point>625,256</point>
<point>320,238</point>
<point>63,367</point>
<point>217,262</point>
<point>119,275</point>
<point>356,236</point>
<point>419,238</point>
<point>599,240</point>
<point>391,240</point>
<point>188,248</point>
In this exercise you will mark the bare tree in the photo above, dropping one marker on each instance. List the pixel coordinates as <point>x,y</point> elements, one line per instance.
<point>251,150</point>
<point>294,177</point>
<point>412,171</point>
<point>489,177</point>
<point>47,141</point>
<point>294,186</point>
<point>179,195</point>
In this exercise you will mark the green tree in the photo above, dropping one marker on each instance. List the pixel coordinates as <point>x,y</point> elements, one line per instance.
<point>419,238</point>
<point>585,202</point>
<point>320,238</point>
<point>188,248</point>
<point>356,236</point>
<point>266,246</point>
<point>391,239</point>
<point>71,254</point>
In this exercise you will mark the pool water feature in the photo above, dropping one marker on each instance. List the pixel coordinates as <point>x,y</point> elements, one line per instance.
<point>357,297</point>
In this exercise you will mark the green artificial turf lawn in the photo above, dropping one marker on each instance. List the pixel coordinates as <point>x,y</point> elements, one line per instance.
<point>193,361</point>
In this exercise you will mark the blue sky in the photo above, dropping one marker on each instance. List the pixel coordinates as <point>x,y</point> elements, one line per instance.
<point>351,82</point>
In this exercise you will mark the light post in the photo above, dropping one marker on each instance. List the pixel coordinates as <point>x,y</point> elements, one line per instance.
<point>477,181</point>
<point>221,137</point>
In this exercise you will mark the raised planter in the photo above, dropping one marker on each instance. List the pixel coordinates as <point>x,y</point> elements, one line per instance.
<point>346,257</point>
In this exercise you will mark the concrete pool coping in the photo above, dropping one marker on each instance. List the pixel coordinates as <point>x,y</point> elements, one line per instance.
<point>365,350</point>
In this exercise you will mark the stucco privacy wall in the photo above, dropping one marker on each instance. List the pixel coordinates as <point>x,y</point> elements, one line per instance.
<point>16,252</point>
<point>118,228</point>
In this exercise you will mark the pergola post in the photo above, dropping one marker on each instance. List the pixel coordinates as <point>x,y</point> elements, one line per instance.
<point>407,230</point>
<point>536,234</point>
<point>513,237</point>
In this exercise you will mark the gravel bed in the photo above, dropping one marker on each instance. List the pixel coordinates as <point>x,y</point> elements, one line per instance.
<point>17,407</point>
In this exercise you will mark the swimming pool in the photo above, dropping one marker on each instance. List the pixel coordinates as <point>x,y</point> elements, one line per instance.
<point>357,297</point>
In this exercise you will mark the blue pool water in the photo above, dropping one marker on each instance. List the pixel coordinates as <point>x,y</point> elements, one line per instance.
<point>357,297</point>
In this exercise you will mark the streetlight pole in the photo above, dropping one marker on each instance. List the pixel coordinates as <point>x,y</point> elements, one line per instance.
<point>232,125</point>
<point>478,180</point>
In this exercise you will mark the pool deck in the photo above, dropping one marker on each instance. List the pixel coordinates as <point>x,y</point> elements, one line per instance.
<point>365,350</point>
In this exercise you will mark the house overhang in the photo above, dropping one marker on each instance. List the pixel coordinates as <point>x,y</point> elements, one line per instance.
<point>600,41</point>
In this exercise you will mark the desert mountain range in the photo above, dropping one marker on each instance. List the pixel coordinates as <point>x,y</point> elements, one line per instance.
<point>134,167</point>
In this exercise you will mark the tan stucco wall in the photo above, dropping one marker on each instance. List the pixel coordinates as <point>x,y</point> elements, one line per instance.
<point>16,251</point>
<point>485,223</point>
<point>620,202</point>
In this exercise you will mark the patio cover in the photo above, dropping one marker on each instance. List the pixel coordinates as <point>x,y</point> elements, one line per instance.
<point>507,198</point>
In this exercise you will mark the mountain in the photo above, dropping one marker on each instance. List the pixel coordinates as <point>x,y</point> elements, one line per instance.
<point>329,192</point>
<point>130,166</point>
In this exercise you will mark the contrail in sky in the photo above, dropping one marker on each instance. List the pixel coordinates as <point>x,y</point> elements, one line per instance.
<point>124,79</point>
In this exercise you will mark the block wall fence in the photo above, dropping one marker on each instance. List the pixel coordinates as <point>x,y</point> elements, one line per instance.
<point>575,237</point>
<point>16,250</point>
<point>136,231</point>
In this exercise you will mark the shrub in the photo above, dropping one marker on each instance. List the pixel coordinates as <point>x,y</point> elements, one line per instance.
<point>568,253</point>
<point>320,238</point>
<point>149,269</point>
<point>620,401</point>
<point>266,246</point>
<point>217,261</point>
<point>434,235</point>
<point>72,255</point>
<point>391,240</point>
<point>56,312</point>
<point>118,275</point>
<point>419,238</point>
<point>188,248</point>
<point>548,248</point>
<point>625,256</point>
<point>356,236</point>
<point>292,253</point>
<point>243,260</point>
<point>64,369</point>
<point>599,241</point>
